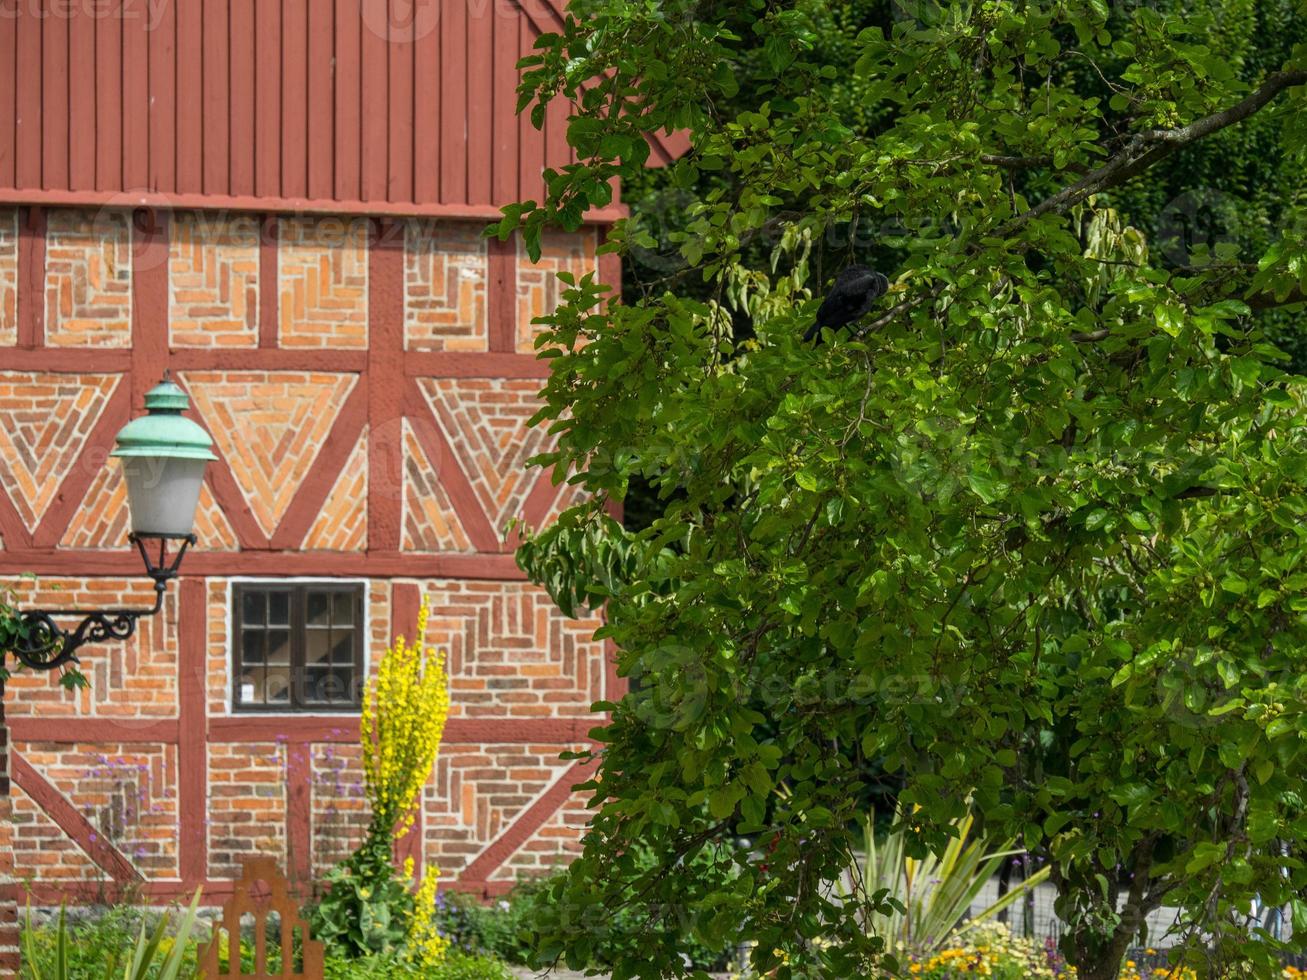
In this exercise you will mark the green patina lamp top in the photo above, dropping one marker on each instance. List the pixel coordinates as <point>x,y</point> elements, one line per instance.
<point>164,432</point>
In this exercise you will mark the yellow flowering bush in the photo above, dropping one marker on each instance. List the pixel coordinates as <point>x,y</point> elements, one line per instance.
<point>425,943</point>
<point>368,908</point>
<point>404,712</point>
<point>988,950</point>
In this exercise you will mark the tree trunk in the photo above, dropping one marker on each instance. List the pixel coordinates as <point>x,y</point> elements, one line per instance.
<point>1097,958</point>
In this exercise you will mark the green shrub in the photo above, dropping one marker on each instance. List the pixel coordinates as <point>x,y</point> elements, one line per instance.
<point>455,966</point>
<point>505,928</point>
<point>120,943</point>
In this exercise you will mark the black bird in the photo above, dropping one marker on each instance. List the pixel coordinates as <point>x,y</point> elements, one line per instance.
<point>854,292</point>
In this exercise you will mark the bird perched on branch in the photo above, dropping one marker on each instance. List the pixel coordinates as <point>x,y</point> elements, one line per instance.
<point>854,292</point>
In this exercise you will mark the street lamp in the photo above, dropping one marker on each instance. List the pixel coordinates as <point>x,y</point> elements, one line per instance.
<point>163,458</point>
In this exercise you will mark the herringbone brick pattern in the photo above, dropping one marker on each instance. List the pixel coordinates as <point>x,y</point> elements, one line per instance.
<point>484,420</point>
<point>128,793</point>
<point>88,279</point>
<point>511,652</point>
<point>213,271</point>
<point>323,282</point>
<point>477,792</point>
<point>247,804</point>
<point>8,277</point>
<point>445,273</point>
<point>211,526</point>
<point>44,422</point>
<point>430,522</point>
<point>131,681</point>
<point>539,290</point>
<point>269,427</point>
<point>102,521</point>
<point>342,524</point>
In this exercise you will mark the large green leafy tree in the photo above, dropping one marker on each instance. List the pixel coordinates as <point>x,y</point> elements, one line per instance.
<point>1030,539</point>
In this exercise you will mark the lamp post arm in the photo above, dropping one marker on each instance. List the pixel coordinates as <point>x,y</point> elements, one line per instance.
<point>42,644</point>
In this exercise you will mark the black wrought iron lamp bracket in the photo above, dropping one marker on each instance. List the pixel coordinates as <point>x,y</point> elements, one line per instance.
<point>42,644</point>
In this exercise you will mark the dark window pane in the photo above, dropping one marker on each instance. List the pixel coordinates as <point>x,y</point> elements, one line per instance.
<point>313,684</point>
<point>330,687</point>
<point>279,608</point>
<point>342,609</point>
<point>317,646</point>
<point>318,612</point>
<point>279,647</point>
<point>342,647</point>
<point>252,646</point>
<point>342,682</point>
<point>252,607</point>
<point>277,687</point>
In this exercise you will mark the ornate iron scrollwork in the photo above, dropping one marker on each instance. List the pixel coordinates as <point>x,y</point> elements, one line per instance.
<point>42,644</point>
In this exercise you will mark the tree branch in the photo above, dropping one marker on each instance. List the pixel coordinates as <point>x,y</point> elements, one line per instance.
<point>1028,163</point>
<point>1149,147</point>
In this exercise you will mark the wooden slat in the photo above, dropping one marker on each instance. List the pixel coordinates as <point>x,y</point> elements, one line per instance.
<point>274,205</point>
<point>190,133</point>
<point>348,128</point>
<point>531,157</point>
<point>321,113</point>
<point>136,95</point>
<point>241,55</point>
<point>294,98</point>
<point>504,156</point>
<point>267,105</point>
<point>399,182</point>
<point>81,102</point>
<point>54,102</point>
<point>480,102</point>
<point>216,98</point>
<point>8,89</point>
<point>453,102</point>
<point>27,86</point>
<point>426,102</point>
<point>163,99</point>
<point>557,153</point>
<point>375,82</point>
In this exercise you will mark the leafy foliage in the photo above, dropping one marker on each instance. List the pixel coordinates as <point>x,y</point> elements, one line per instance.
<point>453,966</point>
<point>1033,537</point>
<point>106,948</point>
<point>508,927</point>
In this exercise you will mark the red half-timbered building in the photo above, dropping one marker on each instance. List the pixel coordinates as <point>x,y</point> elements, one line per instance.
<point>281,204</point>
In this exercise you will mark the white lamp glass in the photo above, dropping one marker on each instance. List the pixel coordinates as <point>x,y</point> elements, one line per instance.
<point>162,493</point>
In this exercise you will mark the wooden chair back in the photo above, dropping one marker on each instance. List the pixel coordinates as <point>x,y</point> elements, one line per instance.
<point>259,902</point>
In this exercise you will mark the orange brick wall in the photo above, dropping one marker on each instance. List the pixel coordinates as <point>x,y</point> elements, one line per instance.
<point>368,388</point>
<point>213,277</point>
<point>247,804</point>
<point>88,279</point>
<point>8,278</point>
<point>322,278</point>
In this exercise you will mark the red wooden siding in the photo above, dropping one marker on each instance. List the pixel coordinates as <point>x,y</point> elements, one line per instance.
<point>345,106</point>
